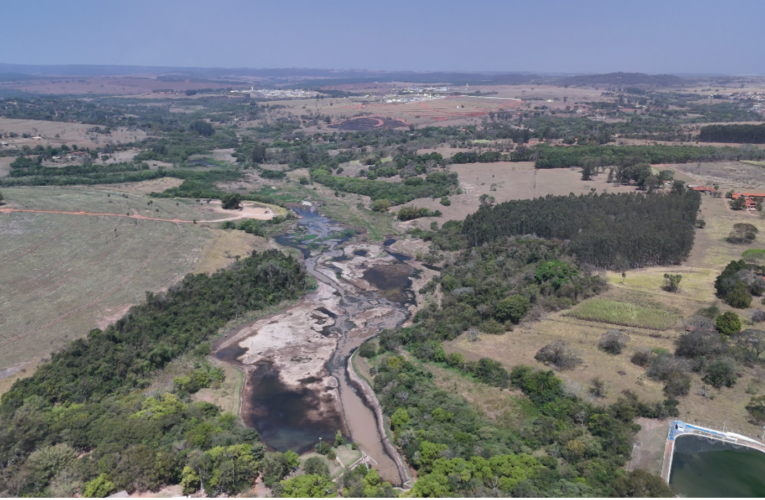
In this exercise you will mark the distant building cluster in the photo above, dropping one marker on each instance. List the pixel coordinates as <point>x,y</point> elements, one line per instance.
<point>279,94</point>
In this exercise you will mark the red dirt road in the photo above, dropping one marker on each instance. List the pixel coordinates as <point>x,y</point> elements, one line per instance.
<point>134,216</point>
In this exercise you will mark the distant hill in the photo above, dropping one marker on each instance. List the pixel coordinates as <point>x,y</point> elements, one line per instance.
<point>625,79</point>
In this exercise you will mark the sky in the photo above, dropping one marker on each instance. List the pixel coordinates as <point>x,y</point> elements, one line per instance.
<point>544,36</point>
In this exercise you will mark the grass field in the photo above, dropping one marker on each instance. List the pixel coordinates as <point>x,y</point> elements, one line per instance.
<point>623,313</point>
<point>68,274</point>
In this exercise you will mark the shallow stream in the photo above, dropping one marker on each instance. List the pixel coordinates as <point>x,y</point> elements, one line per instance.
<point>363,289</point>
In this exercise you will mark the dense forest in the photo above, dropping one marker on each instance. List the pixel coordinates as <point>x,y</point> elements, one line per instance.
<point>616,231</point>
<point>742,134</point>
<point>88,401</point>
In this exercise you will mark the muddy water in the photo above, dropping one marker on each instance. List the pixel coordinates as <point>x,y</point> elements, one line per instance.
<point>295,417</point>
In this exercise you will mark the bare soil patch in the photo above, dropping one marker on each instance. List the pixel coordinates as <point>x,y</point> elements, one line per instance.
<point>369,123</point>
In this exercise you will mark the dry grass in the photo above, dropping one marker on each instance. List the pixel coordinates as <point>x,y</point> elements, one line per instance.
<point>509,181</point>
<point>68,133</point>
<point>623,313</point>
<point>70,274</point>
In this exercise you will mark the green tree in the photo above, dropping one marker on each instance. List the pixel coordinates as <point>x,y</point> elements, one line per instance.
<point>721,372</point>
<point>203,128</point>
<point>100,487</point>
<point>231,201</point>
<point>317,466</point>
<point>756,408</point>
<point>672,282</point>
<point>381,205</point>
<point>728,323</point>
<point>338,439</point>
<point>399,418</point>
<point>512,308</point>
<point>739,297</point>
<point>308,486</point>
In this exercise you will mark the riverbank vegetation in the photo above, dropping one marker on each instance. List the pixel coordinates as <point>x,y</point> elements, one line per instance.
<point>88,400</point>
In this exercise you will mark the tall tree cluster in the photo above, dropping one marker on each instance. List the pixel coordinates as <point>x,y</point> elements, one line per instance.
<point>607,230</point>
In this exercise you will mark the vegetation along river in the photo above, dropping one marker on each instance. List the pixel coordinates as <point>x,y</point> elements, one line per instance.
<point>296,388</point>
<point>703,468</point>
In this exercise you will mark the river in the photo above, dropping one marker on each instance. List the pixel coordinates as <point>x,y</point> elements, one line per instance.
<point>705,468</point>
<point>296,388</point>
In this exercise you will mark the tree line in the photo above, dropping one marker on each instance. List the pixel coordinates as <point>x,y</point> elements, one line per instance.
<point>743,134</point>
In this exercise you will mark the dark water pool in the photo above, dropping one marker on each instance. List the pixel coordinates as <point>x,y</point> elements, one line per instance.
<point>392,280</point>
<point>287,419</point>
<point>705,469</point>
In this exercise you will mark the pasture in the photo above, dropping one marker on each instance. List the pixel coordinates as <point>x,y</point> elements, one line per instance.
<point>65,274</point>
<point>56,133</point>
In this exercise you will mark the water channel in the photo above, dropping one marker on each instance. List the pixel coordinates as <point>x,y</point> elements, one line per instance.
<point>706,468</point>
<point>296,387</point>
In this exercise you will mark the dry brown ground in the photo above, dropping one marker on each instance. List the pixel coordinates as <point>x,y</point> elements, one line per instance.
<point>729,175</point>
<point>513,181</point>
<point>68,133</point>
<point>648,449</point>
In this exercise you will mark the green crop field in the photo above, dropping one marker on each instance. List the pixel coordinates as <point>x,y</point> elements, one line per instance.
<point>623,313</point>
<point>62,275</point>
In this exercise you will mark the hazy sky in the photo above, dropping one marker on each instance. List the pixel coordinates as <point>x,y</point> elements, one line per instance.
<point>665,36</point>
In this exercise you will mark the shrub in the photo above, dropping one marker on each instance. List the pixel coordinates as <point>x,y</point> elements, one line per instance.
<point>598,388</point>
<point>756,408</point>
<point>492,326</point>
<point>100,487</point>
<point>445,201</point>
<point>710,312</point>
<point>758,316</point>
<point>721,372</point>
<point>315,465</point>
<point>512,308</point>
<point>739,297</point>
<point>381,205</point>
<point>743,233</point>
<point>411,212</point>
<point>303,180</point>
<point>728,323</point>
<point>201,127</point>
<point>367,350</point>
<point>672,282</point>
<point>231,201</point>
<point>323,448</point>
<point>559,355</point>
<point>641,357</point>
<point>613,342</point>
<point>700,343</point>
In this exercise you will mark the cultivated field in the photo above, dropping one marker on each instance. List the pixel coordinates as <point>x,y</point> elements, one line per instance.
<point>65,274</point>
<point>729,175</point>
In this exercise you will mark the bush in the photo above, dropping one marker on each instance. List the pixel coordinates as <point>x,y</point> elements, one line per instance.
<point>598,388</point>
<point>672,371</point>
<point>381,205</point>
<point>100,487</point>
<point>672,282</point>
<point>559,355</point>
<point>303,180</point>
<point>231,201</point>
<point>700,343</point>
<point>512,308</point>
<point>756,408</point>
<point>721,372</point>
<point>739,297</point>
<point>758,316</point>
<point>641,357</point>
<point>492,326</point>
<point>203,128</point>
<point>710,312</point>
<point>316,465</point>
<point>728,323</point>
<point>445,201</point>
<point>367,350</point>
<point>412,212</point>
<point>613,342</point>
<point>743,233</point>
